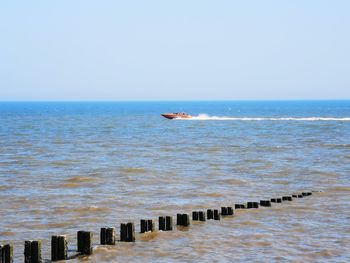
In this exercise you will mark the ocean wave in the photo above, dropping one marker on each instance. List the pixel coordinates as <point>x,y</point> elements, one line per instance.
<point>206,117</point>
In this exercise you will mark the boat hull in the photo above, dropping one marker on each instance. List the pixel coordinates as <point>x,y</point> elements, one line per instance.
<point>169,116</point>
<point>176,116</point>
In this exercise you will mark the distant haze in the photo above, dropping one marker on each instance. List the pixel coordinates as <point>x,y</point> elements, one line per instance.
<point>174,50</point>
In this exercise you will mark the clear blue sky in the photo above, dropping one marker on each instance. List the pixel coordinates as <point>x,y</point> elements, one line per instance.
<point>174,50</point>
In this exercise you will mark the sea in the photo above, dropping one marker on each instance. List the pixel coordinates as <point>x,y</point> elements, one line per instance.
<point>70,166</point>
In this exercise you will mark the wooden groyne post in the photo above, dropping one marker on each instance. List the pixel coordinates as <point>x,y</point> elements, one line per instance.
<point>252,205</point>
<point>198,216</point>
<point>210,214</point>
<point>127,232</point>
<point>182,220</point>
<point>84,240</point>
<point>146,225</point>
<point>32,251</point>
<point>6,253</point>
<point>227,211</point>
<point>59,248</point>
<point>107,236</point>
<point>266,203</point>
<point>165,223</point>
<point>287,198</point>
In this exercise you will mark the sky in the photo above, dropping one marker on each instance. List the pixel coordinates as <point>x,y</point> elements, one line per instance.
<point>174,50</point>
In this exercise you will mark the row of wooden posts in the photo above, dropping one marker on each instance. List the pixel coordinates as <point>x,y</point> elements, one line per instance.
<point>59,244</point>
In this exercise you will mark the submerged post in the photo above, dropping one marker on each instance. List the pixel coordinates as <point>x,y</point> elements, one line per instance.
<point>266,203</point>
<point>201,215</point>
<point>286,198</point>
<point>107,236</point>
<point>59,248</point>
<point>143,226</point>
<point>130,232</point>
<point>195,216</point>
<point>216,214</point>
<point>165,223</point>
<point>168,223</point>
<point>32,251</point>
<point>230,211</point>
<point>127,232</point>
<point>150,225</point>
<point>224,211</point>
<point>178,219</point>
<point>7,253</point>
<point>183,220</point>
<point>210,214</point>
<point>161,223</point>
<point>84,242</point>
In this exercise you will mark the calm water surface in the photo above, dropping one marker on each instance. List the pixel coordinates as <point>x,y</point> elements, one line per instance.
<point>66,167</point>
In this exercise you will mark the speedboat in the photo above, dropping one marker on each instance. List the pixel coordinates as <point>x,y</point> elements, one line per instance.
<point>177,115</point>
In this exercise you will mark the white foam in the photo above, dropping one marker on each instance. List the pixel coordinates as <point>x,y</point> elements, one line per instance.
<point>206,117</point>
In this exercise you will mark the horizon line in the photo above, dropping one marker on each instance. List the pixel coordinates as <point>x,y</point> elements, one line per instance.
<point>174,100</point>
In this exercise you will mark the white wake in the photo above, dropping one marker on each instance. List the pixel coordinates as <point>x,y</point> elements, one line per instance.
<point>206,117</point>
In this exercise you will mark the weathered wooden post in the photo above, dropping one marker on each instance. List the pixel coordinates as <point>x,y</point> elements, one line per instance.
<point>161,223</point>
<point>59,248</point>
<point>252,205</point>
<point>107,236</point>
<point>32,251</point>
<point>224,211</point>
<point>195,216</point>
<point>143,226</point>
<point>179,219</point>
<point>84,239</point>
<point>201,215</point>
<point>127,232</point>
<point>165,223</point>
<point>287,198</point>
<point>266,203</point>
<point>216,214</point>
<point>183,220</point>
<point>146,225</point>
<point>210,214</point>
<point>130,232</point>
<point>169,223</point>
<point>7,253</point>
<point>150,225</point>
